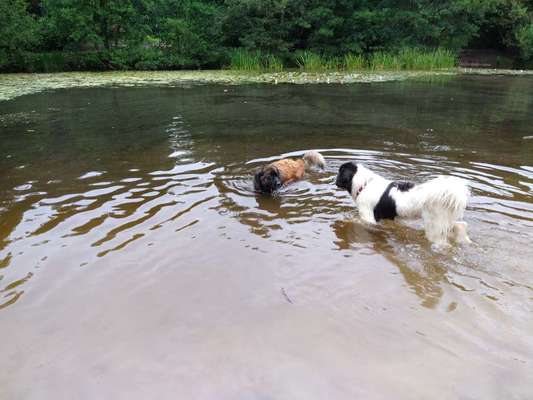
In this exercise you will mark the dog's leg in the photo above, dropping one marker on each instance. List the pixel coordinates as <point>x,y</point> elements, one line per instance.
<point>460,232</point>
<point>367,216</point>
<point>436,227</point>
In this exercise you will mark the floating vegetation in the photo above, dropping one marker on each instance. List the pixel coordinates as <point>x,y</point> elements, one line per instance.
<point>15,85</point>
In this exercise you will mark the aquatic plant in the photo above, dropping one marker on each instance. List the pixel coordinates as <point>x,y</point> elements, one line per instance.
<point>15,85</point>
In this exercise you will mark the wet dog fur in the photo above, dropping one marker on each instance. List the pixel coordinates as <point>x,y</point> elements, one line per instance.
<point>271,177</point>
<point>440,202</point>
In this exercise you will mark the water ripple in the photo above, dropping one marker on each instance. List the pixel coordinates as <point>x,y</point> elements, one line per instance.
<point>111,213</point>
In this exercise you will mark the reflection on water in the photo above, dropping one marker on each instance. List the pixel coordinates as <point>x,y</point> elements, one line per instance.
<point>143,196</point>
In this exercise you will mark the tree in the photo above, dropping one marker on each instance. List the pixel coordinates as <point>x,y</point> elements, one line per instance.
<point>17,30</point>
<point>93,23</point>
<point>198,33</point>
<point>189,29</point>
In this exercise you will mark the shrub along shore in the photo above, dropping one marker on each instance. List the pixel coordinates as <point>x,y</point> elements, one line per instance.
<point>410,59</point>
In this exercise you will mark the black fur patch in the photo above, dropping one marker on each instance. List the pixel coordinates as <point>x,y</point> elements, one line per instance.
<point>345,176</point>
<point>386,207</point>
<point>404,186</point>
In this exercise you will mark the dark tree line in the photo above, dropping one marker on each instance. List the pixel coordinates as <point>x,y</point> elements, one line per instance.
<point>156,34</point>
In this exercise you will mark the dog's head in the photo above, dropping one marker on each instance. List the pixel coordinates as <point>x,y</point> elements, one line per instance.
<point>345,176</point>
<point>267,180</point>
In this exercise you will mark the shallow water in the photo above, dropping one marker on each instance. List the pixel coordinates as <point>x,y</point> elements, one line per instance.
<point>136,261</point>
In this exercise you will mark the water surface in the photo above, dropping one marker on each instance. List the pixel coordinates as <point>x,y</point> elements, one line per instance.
<point>136,261</point>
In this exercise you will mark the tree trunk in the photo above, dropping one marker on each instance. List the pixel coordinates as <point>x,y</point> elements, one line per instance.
<point>104,26</point>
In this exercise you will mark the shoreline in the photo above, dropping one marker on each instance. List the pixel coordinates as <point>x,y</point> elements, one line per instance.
<point>13,85</point>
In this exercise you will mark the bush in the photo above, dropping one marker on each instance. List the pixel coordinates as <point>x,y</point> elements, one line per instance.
<point>524,38</point>
<point>134,58</point>
<point>150,59</point>
<point>54,62</point>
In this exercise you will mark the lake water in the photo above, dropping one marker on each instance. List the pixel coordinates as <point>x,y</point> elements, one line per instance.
<point>137,263</point>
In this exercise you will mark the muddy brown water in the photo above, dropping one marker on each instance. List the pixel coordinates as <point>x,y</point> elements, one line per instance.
<point>136,262</point>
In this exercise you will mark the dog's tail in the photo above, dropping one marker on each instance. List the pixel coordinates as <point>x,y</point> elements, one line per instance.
<point>314,158</point>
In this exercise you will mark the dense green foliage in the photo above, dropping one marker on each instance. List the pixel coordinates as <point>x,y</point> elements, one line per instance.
<point>48,35</point>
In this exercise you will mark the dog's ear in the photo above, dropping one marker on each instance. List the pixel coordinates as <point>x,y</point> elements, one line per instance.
<point>257,179</point>
<point>345,176</point>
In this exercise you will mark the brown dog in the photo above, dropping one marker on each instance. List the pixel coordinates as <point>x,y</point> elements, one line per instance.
<point>273,176</point>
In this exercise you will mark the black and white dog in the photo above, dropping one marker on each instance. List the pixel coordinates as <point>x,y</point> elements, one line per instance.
<point>440,202</point>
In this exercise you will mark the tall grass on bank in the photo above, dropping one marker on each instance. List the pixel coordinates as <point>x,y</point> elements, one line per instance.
<point>412,59</point>
<point>381,61</point>
<point>404,59</point>
<point>354,62</point>
<point>306,61</point>
<point>243,60</point>
<point>254,61</point>
<point>272,63</point>
<point>417,59</point>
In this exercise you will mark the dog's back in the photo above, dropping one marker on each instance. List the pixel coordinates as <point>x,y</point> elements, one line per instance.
<point>440,202</point>
<point>447,192</point>
<point>290,170</point>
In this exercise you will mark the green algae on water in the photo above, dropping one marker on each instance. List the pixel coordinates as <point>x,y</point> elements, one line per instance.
<point>15,85</point>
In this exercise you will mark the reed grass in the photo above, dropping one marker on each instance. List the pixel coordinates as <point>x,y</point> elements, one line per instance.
<point>382,61</point>
<point>254,61</point>
<point>244,60</point>
<point>272,63</point>
<point>409,58</point>
<point>418,59</point>
<point>354,62</point>
<point>310,62</point>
